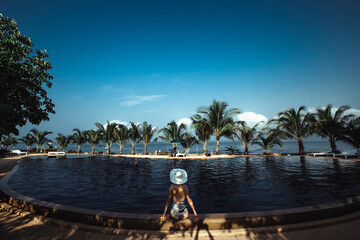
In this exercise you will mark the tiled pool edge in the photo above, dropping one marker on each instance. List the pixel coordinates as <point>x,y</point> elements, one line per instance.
<point>151,221</point>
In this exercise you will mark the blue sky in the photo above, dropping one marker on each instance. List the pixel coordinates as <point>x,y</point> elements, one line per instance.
<point>160,60</point>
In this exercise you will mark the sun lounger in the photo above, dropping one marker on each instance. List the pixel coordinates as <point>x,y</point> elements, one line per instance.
<point>56,154</point>
<point>18,152</point>
<point>181,154</point>
<point>353,153</point>
<point>324,154</point>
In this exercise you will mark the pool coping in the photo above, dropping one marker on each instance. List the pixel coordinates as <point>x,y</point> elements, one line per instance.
<point>151,221</point>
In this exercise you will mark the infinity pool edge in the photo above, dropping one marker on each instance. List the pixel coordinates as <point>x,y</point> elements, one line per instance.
<point>152,222</point>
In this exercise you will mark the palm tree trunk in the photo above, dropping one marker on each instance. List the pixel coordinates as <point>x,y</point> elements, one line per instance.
<point>333,146</point>
<point>205,147</point>
<point>145,148</point>
<point>301,147</point>
<point>133,149</point>
<point>37,148</point>
<point>93,150</point>
<point>79,148</point>
<point>246,151</point>
<point>108,148</point>
<point>217,146</point>
<point>121,148</point>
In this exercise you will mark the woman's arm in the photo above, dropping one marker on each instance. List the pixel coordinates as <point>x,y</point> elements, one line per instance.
<point>191,203</point>
<point>163,217</point>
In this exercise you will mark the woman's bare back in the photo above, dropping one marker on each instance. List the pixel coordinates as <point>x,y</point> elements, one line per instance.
<point>179,192</point>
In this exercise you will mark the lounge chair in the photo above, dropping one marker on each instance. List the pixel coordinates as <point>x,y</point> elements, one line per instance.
<point>352,153</point>
<point>181,154</point>
<point>18,152</point>
<point>324,154</point>
<point>50,154</point>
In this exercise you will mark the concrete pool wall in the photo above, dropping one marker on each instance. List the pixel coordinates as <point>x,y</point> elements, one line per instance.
<point>152,222</point>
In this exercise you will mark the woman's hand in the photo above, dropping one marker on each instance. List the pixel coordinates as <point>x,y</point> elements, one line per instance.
<point>196,217</point>
<point>163,218</point>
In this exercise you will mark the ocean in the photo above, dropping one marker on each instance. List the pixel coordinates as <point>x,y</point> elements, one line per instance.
<point>289,146</point>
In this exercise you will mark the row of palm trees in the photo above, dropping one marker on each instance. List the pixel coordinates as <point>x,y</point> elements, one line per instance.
<point>216,120</point>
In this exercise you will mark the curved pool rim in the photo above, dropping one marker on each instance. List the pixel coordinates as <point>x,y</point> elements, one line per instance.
<point>211,221</point>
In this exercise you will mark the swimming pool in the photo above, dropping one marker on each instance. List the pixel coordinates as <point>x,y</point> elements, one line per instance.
<point>216,185</point>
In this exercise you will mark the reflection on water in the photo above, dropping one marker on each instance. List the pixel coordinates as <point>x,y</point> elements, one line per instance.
<point>216,185</point>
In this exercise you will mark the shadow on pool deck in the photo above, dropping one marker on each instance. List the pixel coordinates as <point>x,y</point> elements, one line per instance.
<point>22,225</point>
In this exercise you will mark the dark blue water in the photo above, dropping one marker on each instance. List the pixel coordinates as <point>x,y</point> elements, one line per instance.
<point>216,185</point>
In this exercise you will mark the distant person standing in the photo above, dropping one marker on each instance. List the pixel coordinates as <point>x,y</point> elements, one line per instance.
<point>178,190</point>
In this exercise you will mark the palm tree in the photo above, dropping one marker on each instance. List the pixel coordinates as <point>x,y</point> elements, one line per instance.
<point>268,141</point>
<point>246,135</point>
<point>62,141</point>
<point>28,140</point>
<point>293,124</point>
<point>173,132</point>
<point>134,136</point>
<point>188,141</point>
<point>9,140</point>
<point>93,138</point>
<point>331,126</point>
<point>147,132</point>
<point>107,134</point>
<point>78,138</point>
<point>39,137</point>
<point>121,136</point>
<point>203,130</point>
<point>220,119</point>
<point>352,133</point>
<point>49,146</point>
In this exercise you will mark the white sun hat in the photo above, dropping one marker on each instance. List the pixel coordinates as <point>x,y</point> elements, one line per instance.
<point>178,176</point>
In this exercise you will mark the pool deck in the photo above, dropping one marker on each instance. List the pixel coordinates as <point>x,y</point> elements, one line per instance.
<point>20,224</point>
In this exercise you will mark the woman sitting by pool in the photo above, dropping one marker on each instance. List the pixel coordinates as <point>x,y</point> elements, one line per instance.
<point>179,191</point>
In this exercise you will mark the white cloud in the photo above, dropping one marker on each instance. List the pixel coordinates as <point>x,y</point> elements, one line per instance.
<point>354,111</point>
<point>187,121</point>
<point>117,122</point>
<point>252,118</point>
<point>136,100</point>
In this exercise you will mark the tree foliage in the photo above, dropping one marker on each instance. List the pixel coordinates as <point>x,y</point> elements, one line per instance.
<point>107,134</point>
<point>188,141</point>
<point>62,141</point>
<point>331,125</point>
<point>246,135</point>
<point>28,140</point>
<point>24,75</point>
<point>292,124</point>
<point>172,132</point>
<point>134,136</point>
<point>203,130</point>
<point>122,136</point>
<point>267,141</point>
<point>220,118</point>
<point>351,133</point>
<point>78,138</point>
<point>39,137</point>
<point>147,132</point>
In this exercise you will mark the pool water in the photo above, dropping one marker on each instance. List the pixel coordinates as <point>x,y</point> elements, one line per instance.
<point>215,185</point>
